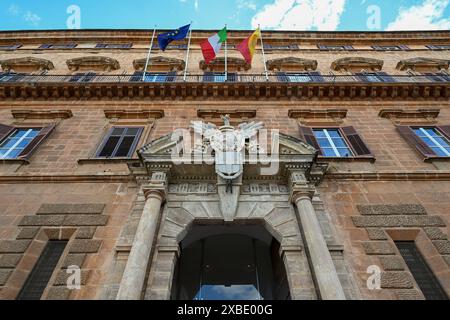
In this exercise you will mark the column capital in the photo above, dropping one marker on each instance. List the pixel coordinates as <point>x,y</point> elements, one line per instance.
<point>157,187</point>
<point>302,192</point>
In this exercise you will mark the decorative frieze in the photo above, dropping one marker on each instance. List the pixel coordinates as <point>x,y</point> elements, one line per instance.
<point>265,188</point>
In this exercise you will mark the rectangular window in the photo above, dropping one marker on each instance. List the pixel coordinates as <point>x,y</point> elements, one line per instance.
<point>13,146</point>
<point>336,48</point>
<point>83,77</point>
<point>439,47</point>
<point>281,47</point>
<point>298,77</point>
<point>219,77</point>
<point>42,272</point>
<point>10,47</point>
<point>332,143</point>
<point>113,46</point>
<point>155,77</point>
<point>435,140</point>
<point>120,142</point>
<point>421,272</point>
<point>58,46</point>
<point>391,48</point>
<point>437,77</point>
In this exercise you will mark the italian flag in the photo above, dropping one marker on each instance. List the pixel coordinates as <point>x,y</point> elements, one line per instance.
<point>248,46</point>
<point>212,46</point>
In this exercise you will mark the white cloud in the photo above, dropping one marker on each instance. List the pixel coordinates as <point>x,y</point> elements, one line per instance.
<point>426,16</point>
<point>14,9</point>
<point>196,5</point>
<point>324,15</point>
<point>32,18</point>
<point>246,4</point>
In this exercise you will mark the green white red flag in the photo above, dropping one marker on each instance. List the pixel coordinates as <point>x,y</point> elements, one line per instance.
<point>212,46</point>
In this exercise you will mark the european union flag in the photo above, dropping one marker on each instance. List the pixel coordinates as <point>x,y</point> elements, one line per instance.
<point>164,39</point>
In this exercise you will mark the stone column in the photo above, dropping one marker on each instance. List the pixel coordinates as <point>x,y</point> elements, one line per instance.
<point>135,272</point>
<point>327,279</point>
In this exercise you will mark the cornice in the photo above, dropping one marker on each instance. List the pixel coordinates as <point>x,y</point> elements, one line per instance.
<point>390,176</point>
<point>41,114</point>
<point>318,114</point>
<point>134,114</point>
<point>409,114</point>
<point>234,91</point>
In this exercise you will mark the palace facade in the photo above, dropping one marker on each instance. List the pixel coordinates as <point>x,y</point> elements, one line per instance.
<point>93,205</point>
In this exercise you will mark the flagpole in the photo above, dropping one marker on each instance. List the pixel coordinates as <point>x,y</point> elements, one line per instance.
<point>263,54</point>
<point>187,53</point>
<point>149,54</point>
<point>226,58</point>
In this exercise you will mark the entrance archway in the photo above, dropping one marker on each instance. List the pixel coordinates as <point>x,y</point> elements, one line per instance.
<point>230,263</point>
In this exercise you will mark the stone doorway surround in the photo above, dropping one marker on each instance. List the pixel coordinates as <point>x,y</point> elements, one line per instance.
<point>173,198</point>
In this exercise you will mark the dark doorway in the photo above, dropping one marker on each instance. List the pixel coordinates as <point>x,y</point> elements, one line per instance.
<point>230,263</point>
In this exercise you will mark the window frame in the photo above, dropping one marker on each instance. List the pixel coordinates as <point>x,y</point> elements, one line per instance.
<point>343,137</point>
<point>438,145</point>
<point>51,46</point>
<point>114,46</point>
<point>108,135</point>
<point>2,158</point>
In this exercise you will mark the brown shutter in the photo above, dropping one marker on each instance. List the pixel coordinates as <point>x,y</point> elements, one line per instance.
<point>445,130</point>
<point>29,149</point>
<point>356,142</point>
<point>307,135</point>
<point>5,131</point>
<point>408,134</point>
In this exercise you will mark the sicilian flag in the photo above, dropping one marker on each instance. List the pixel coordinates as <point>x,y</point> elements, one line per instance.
<point>212,46</point>
<point>247,47</point>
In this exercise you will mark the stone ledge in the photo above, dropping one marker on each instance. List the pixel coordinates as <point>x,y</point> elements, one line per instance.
<point>378,248</point>
<point>397,280</point>
<point>58,209</point>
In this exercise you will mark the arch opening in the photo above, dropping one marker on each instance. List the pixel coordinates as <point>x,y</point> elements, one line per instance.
<point>230,263</point>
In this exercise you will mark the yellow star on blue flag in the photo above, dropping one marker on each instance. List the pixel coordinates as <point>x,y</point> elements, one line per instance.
<point>164,39</point>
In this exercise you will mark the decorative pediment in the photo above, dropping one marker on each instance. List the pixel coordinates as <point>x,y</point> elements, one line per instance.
<point>134,114</point>
<point>26,64</point>
<point>41,114</point>
<point>235,115</point>
<point>160,64</point>
<point>357,64</point>
<point>291,64</point>
<point>234,64</point>
<point>94,63</point>
<point>423,63</point>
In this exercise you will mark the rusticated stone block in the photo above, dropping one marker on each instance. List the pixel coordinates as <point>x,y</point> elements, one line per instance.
<point>41,221</point>
<point>86,232</point>
<point>396,209</point>
<point>27,233</point>
<point>4,276</point>
<point>85,220</point>
<point>378,248</point>
<point>443,246</point>
<point>9,260</point>
<point>447,259</point>
<point>409,294</point>
<point>435,234</point>
<point>423,221</point>
<point>57,209</point>
<point>62,276</point>
<point>58,293</point>
<point>371,210</point>
<point>397,280</point>
<point>74,260</point>
<point>392,263</point>
<point>85,246</point>
<point>14,246</point>
<point>377,234</point>
<point>377,221</point>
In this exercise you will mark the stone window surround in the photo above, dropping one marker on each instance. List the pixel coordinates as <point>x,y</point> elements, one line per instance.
<point>93,63</point>
<point>28,114</point>
<point>413,117</point>
<point>428,237</point>
<point>36,64</point>
<point>236,115</point>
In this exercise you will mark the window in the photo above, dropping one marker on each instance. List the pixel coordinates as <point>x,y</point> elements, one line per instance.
<point>434,140</point>
<point>375,77</point>
<point>391,48</point>
<point>219,77</point>
<point>10,77</point>
<point>113,46</point>
<point>120,142</point>
<point>83,77</point>
<point>15,144</point>
<point>336,48</point>
<point>439,47</point>
<point>58,46</point>
<point>300,77</point>
<point>421,272</point>
<point>155,77</point>
<point>281,47</point>
<point>10,47</point>
<point>174,47</point>
<point>332,143</point>
<point>42,272</point>
<point>437,77</point>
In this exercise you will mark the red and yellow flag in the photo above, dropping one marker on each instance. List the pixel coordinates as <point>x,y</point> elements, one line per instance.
<point>247,47</point>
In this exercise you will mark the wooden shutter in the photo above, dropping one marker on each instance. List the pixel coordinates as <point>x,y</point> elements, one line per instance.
<point>385,77</point>
<point>408,134</point>
<point>5,131</point>
<point>34,144</point>
<point>307,135</point>
<point>316,76</point>
<point>282,77</point>
<point>445,130</point>
<point>170,77</point>
<point>356,142</point>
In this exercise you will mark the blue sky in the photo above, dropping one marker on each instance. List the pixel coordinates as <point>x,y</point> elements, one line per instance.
<point>338,15</point>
